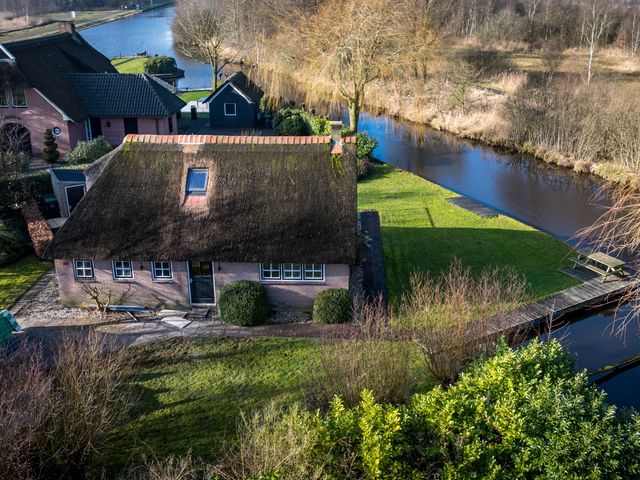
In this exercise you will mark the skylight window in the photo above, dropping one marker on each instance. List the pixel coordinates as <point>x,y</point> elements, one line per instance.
<point>197,181</point>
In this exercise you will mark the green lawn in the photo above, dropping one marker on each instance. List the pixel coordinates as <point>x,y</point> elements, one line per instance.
<point>194,95</point>
<point>129,64</point>
<point>17,277</point>
<point>421,231</point>
<point>192,391</point>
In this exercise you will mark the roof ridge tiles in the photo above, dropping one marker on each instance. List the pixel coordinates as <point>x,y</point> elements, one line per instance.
<point>229,139</point>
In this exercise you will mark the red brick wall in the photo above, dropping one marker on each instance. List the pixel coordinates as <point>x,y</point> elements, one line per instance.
<point>39,115</point>
<point>142,290</point>
<point>154,126</point>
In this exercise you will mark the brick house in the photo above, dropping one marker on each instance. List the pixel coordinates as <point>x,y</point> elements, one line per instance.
<point>168,220</point>
<point>51,82</point>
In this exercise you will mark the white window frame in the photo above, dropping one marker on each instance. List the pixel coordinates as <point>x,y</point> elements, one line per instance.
<point>291,271</point>
<point>115,268</point>
<point>272,267</point>
<point>284,277</point>
<point>155,277</point>
<point>235,110</point>
<point>13,100</point>
<point>198,191</point>
<point>6,99</point>
<point>84,268</point>
<point>313,278</point>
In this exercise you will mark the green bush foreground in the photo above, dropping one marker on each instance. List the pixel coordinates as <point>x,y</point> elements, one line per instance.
<point>332,306</point>
<point>520,414</point>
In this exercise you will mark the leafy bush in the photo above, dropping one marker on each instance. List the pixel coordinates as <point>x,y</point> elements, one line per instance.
<point>19,189</point>
<point>243,303</point>
<point>293,121</point>
<point>12,163</point>
<point>365,143</point>
<point>89,151</point>
<point>160,65</point>
<point>13,240</point>
<point>520,414</point>
<point>332,306</point>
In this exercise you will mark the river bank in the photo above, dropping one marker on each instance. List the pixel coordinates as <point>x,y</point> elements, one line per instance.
<point>83,20</point>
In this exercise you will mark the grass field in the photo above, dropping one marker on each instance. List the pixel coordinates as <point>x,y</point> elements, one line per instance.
<point>129,64</point>
<point>421,231</point>
<point>16,278</point>
<point>194,95</point>
<point>191,392</point>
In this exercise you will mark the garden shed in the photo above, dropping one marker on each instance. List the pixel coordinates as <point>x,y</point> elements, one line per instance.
<point>236,103</point>
<point>69,186</point>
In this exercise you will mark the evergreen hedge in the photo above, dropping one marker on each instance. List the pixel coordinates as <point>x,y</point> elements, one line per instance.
<point>243,303</point>
<point>16,190</point>
<point>332,306</point>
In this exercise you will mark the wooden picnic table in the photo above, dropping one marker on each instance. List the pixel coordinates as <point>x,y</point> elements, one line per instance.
<point>601,263</point>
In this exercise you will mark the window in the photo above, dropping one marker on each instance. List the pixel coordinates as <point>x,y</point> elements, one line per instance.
<point>83,269</point>
<point>197,181</point>
<point>161,270</point>
<point>122,270</point>
<point>230,109</point>
<point>3,98</point>
<point>311,272</point>
<point>270,271</point>
<point>291,271</point>
<point>19,98</point>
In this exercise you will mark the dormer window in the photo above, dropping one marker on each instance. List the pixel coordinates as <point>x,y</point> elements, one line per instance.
<point>197,180</point>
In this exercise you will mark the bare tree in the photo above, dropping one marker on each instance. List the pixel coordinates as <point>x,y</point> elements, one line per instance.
<point>595,25</point>
<point>203,31</point>
<point>343,46</point>
<point>634,40</point>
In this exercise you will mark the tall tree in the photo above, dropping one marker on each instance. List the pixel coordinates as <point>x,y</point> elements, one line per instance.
<point>596,22</point>
<point>344,45</point>
<point>203,31</point>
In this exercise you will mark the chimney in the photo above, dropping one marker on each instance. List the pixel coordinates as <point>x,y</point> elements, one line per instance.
<point>336,137</point>
<point>67,27</point>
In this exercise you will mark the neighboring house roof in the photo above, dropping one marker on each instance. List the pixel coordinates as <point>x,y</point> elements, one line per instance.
<point>45,64</point>
<point>243,85</point>
<point>118,95</point>
<point>270,199</point>
<point>68,175</point>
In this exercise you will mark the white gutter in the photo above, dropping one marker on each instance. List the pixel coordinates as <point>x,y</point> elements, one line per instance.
<point>11,58</point>
<point>65,117</point>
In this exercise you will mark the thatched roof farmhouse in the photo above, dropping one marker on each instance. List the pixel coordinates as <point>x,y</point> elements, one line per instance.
<point>281,210</point>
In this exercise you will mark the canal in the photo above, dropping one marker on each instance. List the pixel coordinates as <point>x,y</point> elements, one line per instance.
<point>555,200</point>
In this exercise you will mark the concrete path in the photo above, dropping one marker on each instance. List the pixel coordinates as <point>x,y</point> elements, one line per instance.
<point>375,284</point>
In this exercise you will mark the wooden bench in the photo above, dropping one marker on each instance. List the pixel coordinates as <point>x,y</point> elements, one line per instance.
<point>600,263</point>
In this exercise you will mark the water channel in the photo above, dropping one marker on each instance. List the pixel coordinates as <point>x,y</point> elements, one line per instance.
<point>549,198</point>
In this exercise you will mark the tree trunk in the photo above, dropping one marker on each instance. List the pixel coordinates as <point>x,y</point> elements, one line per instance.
<point>354,114</point>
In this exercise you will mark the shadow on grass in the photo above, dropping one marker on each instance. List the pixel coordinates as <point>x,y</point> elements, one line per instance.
<point>531,253</point>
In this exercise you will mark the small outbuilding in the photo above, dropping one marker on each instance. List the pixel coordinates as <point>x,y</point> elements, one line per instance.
<point>69,186</point>
<point>236,103</point>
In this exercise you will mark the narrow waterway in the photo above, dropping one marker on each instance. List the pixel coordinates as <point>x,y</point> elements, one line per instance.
<point>553,199</point>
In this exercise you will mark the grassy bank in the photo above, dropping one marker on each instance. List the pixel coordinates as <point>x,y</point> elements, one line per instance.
<point>194,95</point>
<point>421,231</point>
<point>84,19</point>
<point>129,64</point>
<point>16,278</point>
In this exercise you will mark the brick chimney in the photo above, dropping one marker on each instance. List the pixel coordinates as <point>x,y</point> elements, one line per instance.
<point>67,27</point>
<point>336,137</point>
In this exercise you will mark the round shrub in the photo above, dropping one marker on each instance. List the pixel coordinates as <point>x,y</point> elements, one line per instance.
<point>332,306</point>
<point>243,303</point>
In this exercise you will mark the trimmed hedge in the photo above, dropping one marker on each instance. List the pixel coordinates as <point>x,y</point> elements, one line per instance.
<point>13,240</point>
<point>89,151</point>
<point>332,306</point>
<point>17,190</point>
<point>243,303</point>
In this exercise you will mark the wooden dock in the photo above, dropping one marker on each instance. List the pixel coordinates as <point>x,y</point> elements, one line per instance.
<point>473,207</point>
<point>591,293</point>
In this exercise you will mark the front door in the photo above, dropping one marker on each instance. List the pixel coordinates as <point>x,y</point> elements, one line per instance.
<point>201,282</point>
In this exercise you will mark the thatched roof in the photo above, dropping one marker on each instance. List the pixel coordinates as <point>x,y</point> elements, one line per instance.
<point>268,201</point>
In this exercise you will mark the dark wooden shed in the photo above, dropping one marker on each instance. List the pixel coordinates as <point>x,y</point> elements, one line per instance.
<point>236,103</point>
